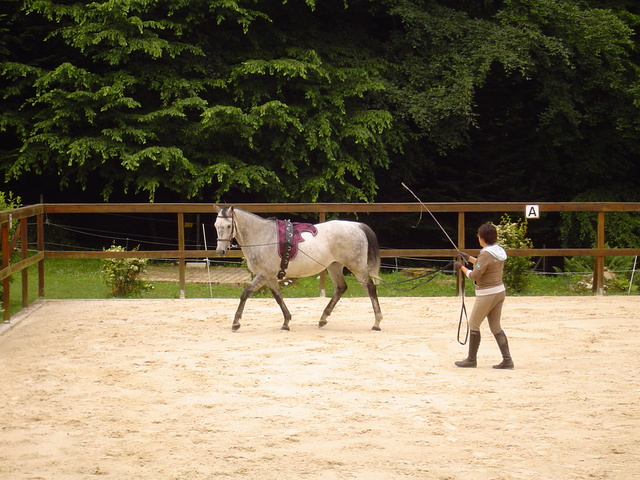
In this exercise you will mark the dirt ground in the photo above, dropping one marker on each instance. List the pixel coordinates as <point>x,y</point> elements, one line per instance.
<point>162,389</point>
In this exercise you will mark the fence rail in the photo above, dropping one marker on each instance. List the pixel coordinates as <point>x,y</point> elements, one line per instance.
<point>23,214</point>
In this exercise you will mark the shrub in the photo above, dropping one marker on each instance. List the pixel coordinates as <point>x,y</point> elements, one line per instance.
<point>616,277</point>
<point>517,270</point>
<point>123,274</point>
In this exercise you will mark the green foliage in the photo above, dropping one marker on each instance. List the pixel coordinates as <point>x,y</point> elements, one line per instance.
<point>543,91</point>
<point>198,98</point>
<point>123,275</point>
<point>616,278</point>
<point>319,101</point>
<point>613,263</point>
<point>579,229</point>
<point>9,201</point>
<point>517,270</point>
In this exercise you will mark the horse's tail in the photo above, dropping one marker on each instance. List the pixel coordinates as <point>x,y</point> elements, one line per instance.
<point>373,252</point>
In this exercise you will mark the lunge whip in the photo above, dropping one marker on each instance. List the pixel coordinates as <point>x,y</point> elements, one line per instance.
<point>463,310</point>
<point>432,216</point>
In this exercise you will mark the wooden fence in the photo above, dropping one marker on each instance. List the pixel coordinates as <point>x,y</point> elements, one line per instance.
<point>39,211</point>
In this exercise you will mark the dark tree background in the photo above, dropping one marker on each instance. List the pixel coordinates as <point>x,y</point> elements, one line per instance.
<point>320,100</point>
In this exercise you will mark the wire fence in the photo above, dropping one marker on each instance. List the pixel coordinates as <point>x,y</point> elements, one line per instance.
<point>172,231</point>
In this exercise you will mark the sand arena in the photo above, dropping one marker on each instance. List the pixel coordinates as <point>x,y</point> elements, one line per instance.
<point>162,389</point>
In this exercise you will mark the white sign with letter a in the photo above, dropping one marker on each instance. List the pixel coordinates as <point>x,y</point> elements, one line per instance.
<point>532,211</point>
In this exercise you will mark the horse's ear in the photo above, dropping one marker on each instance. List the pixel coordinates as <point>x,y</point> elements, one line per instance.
<point>218,209</point>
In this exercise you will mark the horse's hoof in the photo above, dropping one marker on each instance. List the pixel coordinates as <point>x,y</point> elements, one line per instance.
<point>322,324</point>
<point>235,327</point>
<point>285,327</point>
<point>376,329</point>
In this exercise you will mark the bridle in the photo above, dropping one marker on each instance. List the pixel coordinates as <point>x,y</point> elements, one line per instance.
<point>233,228</point>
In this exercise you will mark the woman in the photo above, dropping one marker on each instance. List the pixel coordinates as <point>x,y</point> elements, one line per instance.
<point>490,295</point>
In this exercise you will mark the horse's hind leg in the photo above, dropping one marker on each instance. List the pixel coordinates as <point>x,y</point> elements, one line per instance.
<point>339,287</point>
<point>257,282</point>
<point>277,294</point>
<point>372,291</point>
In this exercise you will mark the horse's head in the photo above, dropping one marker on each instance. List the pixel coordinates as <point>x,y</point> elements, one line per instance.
<point>224,229</point>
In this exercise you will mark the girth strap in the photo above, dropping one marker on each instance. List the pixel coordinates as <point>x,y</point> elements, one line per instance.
<point>287,246</point>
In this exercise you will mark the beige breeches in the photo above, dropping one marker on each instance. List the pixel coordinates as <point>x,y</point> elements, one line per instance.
<point>489,307</point>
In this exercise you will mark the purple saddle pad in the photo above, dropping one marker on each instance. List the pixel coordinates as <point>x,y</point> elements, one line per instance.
<point>289,240</point>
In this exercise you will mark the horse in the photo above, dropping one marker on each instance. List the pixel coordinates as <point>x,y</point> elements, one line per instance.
<point>335,245</point>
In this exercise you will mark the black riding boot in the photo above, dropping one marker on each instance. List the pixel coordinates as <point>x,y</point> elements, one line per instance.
<point>474,343</point>
<point>503,343</point>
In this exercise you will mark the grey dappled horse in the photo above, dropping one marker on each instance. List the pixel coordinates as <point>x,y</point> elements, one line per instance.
<point>337,244</point>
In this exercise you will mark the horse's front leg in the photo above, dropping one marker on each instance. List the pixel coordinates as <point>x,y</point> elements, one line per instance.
<point>255,284</point>
<point>277,294</point>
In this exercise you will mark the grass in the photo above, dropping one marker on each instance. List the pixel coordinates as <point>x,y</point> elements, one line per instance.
<point>82,279</point>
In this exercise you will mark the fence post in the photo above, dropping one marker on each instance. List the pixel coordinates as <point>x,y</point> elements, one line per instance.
<point>24,253</point>
<point>322,217</point>
<point>598,274</point>
<point>40,247</point>
<point>181,257</point>
<point>6,254</point>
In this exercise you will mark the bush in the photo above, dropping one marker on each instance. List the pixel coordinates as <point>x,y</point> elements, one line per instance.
<point>517,270</point>
<point>123,274</point>
<point>616,277</point>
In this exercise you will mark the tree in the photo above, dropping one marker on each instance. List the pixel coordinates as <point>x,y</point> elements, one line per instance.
<point>198,97</point>
<point>322,101</point>
<point>534,100</point>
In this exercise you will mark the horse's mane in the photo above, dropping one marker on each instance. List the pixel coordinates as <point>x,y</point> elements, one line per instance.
<point>225,212</point>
